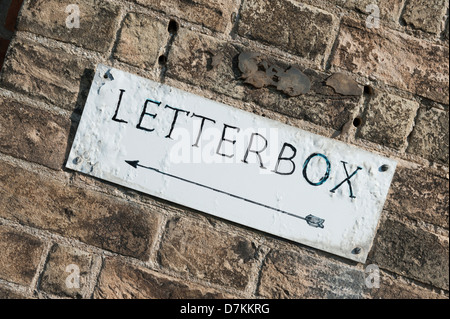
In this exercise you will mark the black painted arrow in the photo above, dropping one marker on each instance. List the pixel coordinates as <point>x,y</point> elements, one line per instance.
<point>310,219</point>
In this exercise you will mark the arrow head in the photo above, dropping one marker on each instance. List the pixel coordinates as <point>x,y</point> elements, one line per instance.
<point>133,163</point>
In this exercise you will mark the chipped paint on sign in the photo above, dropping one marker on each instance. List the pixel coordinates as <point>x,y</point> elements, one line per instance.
<point>230,163</point>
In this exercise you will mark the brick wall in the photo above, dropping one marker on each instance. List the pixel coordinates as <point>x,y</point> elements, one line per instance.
<point>130,245</point>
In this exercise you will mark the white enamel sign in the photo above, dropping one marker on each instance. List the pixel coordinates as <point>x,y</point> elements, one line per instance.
<point>230,163</point>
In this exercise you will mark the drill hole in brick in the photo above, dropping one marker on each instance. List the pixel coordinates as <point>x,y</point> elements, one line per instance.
<point>368,90</point>
<point>162,60</point>
<point>173,27</point>
<point>357,121</point>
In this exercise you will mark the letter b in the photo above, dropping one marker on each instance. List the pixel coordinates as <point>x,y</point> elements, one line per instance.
<point>287,159</point>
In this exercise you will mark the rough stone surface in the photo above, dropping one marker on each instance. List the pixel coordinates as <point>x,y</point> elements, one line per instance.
<point>344,84</point>
<point>388,120</point>
<point>399,288</point>
<point>20,256</point>
<point>321,106</point>
<point>212,14</point>
<point>389,9</point>
<point>426,15</point>
<point>332,111</point>
<point>51,18</point>
<point>56,273</point>
<point>32,134</point>
<point>429,138</point>
<point>411,252</point>
<point>259,73</point>
<point>191,58</point>
<point>6,293</point>
<point>198,250</point>
<point>119,280</point>
<point>420,195</point>
<point>103,221</point>
<point>142,40</point>
<point>302,30</point>
<point>53,75</point>
<point>289,274</point>
<point>446,31</point>
<point>394,58</point>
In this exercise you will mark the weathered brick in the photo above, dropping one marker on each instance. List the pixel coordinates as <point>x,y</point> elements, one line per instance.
<point>302,30</point>
<point>119,280</point>
<point>389,9</point>
<point>142,40</point>
<point>420,195</point>
<point>328,109</point>
<point>56,272</point>
<point>446,31</point>
<point>426,15</point>
<point>397,288</point>
<point>53,19</point>
<point>397,59</point>
<point>429,138</point>
<point>20,255</point>
<point>388,120</point>
<point>6,293</point>
<point>411,252</point>
<point>52,75</point>
<point>103,221</point>
<point>212,14</point>
<point>200,251</point>
<point>290,274</point>
<point>191,60</point>
<point>31,134</point>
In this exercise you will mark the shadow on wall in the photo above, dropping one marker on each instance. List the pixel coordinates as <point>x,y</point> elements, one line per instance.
<point>85,84</point>
<point>9,10</point>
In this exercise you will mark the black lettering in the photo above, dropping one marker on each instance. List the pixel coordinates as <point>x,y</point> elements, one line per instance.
<point>347,180</point>
<point>281,158</point>
<point>144,112</point>
<point>175,117</point>
<point>256,152</point>
<point>223,139</point>
<point>201,126</point>
<point>114,118</point>
<point>324,177</point>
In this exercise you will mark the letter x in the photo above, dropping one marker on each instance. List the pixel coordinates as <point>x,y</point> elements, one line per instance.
<point>347,180</point>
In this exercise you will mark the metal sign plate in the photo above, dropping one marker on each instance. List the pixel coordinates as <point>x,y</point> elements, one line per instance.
<point>230,163</point>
